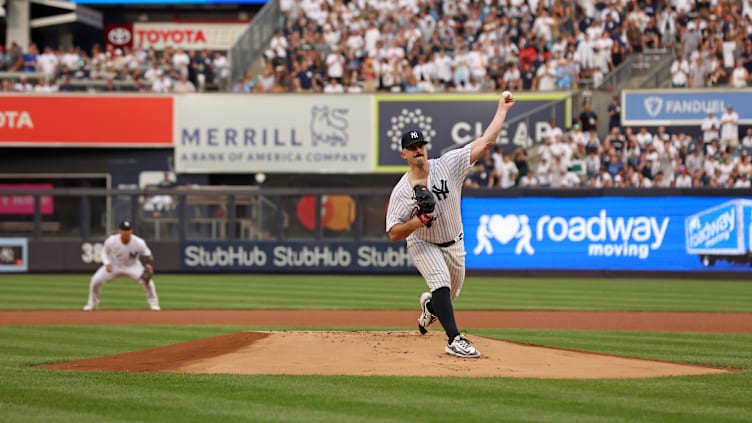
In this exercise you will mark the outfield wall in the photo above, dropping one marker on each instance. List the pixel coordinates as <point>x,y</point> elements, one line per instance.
<point>662,231</point>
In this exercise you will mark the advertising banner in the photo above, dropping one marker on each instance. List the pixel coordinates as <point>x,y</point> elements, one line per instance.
<point>163,2</point>
<point>449,121</point>
<point>82,121</point>
<point>296,256</point>
<point>682,107</point>
<point>609,233</point>
<point>119,34</point>
<point>71,255</point>
<point>188,36</point>
<point>273,133</point>
<point>14,255</point>
<point>24,204</point>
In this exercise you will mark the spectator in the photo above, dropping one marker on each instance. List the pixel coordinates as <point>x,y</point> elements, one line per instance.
<point>543,172</point>
<point>729,128</point>
<point>614,113</point>
<point>184,85</point>
<point>694,161</point>
<point>15,58</point>
<point>698,73</point>
<point>739,76</point>
<point>507,172</point>
<point>710,126</point>
<point>528,180</point>
<point>23,85</point>
<point>680,72</point>
<point>566,75</point>
<point>333,86</point>
<point>30,58</point>
<point>588,119</point>
<point>691,39</point>
<point>512,79</point>
<point>241,87</point>
<point>3,59</point>
<point>545,78</point>
<point>163,84</point>
<point>66,85</point>
<point>744,166</point>
<point>221,70</point>
<point>743,181</point>
<point>747,140</point>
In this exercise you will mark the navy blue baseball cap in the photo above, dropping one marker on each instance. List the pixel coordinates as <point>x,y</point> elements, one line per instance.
<point>125,225</point>
<point>412,137</point>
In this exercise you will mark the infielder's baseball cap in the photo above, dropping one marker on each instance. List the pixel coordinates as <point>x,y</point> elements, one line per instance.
<point>125,225</point>
<point>412,137</point>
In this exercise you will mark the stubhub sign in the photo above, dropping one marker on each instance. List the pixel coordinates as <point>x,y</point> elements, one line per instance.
<point>593,233</point>
<point>296,256</point>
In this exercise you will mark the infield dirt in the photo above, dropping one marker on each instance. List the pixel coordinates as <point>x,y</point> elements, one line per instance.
<point>398,353</point>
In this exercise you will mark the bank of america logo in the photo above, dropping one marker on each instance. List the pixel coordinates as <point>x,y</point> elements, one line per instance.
<point>653,106</point>
<point>409,119</point>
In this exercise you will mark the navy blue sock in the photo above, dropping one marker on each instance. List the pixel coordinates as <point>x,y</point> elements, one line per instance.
<point>442,308</point>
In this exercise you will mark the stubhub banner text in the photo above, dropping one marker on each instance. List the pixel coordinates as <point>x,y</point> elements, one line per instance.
<point>606,233</point>
<point>296,256</point>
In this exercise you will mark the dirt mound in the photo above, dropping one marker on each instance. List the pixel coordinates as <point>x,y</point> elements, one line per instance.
<point>395,353</point>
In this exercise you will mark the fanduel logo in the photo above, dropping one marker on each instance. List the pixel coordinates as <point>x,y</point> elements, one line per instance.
<point>606,236</point>
<point>653,106</point>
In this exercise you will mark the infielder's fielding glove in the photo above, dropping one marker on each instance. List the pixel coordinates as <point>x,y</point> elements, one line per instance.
<point>146,275</point>
<point>426,203</point>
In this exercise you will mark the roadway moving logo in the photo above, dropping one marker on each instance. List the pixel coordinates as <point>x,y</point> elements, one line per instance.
<point>604,235</point>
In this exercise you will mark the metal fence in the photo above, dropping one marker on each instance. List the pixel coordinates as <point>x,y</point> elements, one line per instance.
<point>251,44</point>
<point>196,213</point>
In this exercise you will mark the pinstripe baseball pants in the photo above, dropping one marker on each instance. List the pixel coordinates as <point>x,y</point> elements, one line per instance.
<point>440,267</point>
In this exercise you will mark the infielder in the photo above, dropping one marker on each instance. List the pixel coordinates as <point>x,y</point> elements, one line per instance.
<point>431,222</point>
<point>121,255</point>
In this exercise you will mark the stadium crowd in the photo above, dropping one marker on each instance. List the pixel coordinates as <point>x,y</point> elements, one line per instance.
<point>578,158</point>
<point>334,46</point>
<point>426,46</point>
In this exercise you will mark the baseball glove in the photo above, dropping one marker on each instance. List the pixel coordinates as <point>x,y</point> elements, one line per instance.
<point>146,275</point>
<point>426,203</point>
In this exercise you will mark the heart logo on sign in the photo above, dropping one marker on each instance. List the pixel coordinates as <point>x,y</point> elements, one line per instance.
<point>504,228</point>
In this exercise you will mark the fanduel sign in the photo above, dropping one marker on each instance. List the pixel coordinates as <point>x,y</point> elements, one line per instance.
<point>596,233</point>
<point>682,107</point>
<point>298,256</point>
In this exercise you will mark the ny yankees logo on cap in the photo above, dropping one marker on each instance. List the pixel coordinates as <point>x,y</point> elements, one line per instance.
<point>412,137</point>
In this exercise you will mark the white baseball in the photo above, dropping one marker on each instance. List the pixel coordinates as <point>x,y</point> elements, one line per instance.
<point>506,94</point>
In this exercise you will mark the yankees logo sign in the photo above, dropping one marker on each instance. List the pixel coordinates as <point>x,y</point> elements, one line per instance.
<point>414,135</point>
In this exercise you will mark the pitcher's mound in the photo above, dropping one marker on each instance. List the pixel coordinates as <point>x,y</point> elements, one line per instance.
<point>376,353</point>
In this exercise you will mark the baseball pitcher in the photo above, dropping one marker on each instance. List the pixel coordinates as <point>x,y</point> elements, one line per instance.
<point>424,209</point>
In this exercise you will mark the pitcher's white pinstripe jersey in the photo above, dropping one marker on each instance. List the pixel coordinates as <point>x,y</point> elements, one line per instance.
<point>446,176</point>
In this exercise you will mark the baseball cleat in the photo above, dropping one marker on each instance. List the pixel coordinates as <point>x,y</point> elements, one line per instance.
<point>89,307</point>
<point>154,308</point>
<point>426,318</point>
<point>461,347</point>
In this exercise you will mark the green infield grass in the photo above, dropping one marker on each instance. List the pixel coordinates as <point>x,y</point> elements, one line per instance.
<point>212,291</point>
<point>29,394</point>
